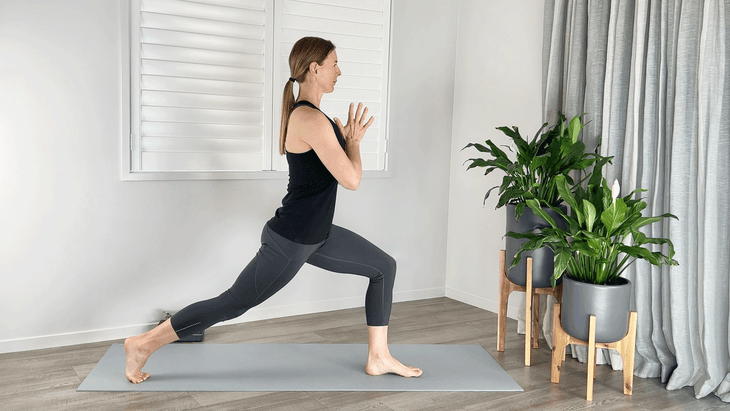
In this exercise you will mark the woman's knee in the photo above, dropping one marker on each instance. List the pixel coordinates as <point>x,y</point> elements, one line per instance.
<point>389,268</point>
<point>232,307</point>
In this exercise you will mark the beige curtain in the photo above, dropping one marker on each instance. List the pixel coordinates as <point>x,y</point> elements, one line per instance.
<point>653,79</point>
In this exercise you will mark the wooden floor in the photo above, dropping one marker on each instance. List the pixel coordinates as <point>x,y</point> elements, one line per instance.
<point>47,379</point>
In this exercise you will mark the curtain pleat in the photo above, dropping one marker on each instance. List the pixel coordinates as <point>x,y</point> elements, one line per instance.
<point>653,79</point>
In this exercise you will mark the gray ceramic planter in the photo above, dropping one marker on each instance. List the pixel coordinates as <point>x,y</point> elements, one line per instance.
<point>542,259</point>
<point>609,303</point>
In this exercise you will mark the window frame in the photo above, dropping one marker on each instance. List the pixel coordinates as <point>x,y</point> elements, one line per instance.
<point>128,117</point>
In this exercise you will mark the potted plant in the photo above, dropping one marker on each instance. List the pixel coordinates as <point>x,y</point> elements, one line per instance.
<point>532,176</point>
<point>600,239</point>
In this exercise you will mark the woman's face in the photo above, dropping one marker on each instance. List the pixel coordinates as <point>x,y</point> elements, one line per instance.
<point>326,74</point>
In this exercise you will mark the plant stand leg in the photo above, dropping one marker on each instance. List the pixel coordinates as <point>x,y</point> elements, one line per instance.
<point>626,347</point>
<point>560,341</point>
<point>504,291</point>
<point>528,312</point>
<point>535,320</point>
<point>591,357</point>
<point>559,296</point>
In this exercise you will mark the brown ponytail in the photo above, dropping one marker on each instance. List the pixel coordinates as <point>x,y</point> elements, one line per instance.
<point>305,51</point>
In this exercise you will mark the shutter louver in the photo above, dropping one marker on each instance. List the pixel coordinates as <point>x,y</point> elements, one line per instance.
<point>360,31</point>
<point>202,81</point>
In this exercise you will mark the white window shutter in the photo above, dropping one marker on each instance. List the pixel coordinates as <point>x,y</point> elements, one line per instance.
<point>360,30</point>
<point>199,78</point>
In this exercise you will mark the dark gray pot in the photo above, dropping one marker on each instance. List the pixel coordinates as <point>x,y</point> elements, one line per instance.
<point>542,259</point>
<point>609,303</point>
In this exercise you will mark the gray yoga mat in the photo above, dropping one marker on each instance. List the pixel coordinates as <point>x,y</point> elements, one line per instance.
<point>300,367</point>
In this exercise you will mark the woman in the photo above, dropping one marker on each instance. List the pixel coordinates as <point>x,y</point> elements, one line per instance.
<point>321,153</point>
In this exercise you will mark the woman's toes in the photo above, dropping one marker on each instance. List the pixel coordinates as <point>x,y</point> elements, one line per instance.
<point>138,377</point>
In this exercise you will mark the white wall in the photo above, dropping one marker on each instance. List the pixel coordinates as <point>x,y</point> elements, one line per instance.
<point>497,82</point>
<point>85,256</point>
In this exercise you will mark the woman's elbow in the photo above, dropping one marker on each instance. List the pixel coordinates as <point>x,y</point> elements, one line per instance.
<point>352,184</point>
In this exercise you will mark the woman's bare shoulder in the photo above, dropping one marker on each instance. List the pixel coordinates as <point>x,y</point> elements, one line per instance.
<point>308,122</point>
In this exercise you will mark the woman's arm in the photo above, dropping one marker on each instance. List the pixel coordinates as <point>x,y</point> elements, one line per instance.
<point>313,128</point>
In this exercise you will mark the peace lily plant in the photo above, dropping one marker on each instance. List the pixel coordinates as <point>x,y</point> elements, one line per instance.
<point>532,175</point>
<point>602,236</point>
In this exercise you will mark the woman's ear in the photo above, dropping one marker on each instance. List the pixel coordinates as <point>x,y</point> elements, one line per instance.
<point>313,67</point>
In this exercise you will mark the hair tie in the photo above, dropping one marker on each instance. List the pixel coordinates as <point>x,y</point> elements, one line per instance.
<point>292,79</point>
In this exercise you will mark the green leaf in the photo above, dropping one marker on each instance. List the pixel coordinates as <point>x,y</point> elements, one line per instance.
<point>584,248</point>
<point>496,152</point>
<point>576,151</point>
<point>535,206</point>
<point>605,192</point>
<point>509,195</point>
<point>613,216</point>
<point>560,263</point>
<point>478,162</point>
<point>487,196</point>
<point>539,161</point>
<point>514,134</point>
<point>597,173</point>
<point>631,194</point>
<point>518,210</point>
<point>590,214</point>
<point>538,131</point>
<point>646,221</point>
<point>639,252</point>
<point>639,238</point>
<point>489,170</point>
<point>598,245</point>
<point>574,128</point>
<point>530,244</point>
<point>478,147</point>
<point>517,235</point>
<point>507,181</point>
<point>567,196</point>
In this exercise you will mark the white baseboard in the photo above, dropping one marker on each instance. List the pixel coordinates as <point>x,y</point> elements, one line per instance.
<point>255,314</point>
<point>480,302</point>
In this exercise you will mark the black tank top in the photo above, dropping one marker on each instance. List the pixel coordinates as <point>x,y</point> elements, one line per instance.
<point>308,208</point>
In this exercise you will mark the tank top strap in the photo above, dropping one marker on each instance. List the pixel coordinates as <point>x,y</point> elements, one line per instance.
<point>304,103</point>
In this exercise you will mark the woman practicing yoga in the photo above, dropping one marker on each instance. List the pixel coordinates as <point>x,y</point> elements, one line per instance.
<point>321,154</point>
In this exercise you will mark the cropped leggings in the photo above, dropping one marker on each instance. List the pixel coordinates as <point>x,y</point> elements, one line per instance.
<point>278,261</point>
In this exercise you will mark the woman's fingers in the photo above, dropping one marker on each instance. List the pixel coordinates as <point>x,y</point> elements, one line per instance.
<point>364,116</point>
<point>358,115</point>
<point>351,114</point>
<point>339,125</point>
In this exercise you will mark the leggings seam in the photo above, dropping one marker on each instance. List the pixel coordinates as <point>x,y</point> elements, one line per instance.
<point>258,296</point>
<point>281,249</point>
<point>192,325</point>
<point>348,261</point>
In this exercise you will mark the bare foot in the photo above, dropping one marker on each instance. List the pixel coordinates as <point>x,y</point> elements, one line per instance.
<point>379,365</point>
<point>136,359</point>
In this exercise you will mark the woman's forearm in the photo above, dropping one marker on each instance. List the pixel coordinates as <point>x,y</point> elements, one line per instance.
<point>352,149</point>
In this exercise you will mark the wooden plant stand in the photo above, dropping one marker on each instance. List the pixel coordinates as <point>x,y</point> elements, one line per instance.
<point>532,305</point>
<point>625,347</point>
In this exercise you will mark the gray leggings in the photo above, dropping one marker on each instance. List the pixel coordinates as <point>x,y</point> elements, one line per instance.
<point>278,261</point>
